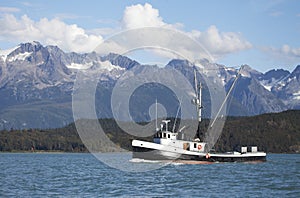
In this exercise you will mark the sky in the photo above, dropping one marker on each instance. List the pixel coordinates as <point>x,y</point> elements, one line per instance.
<point>264,34</point>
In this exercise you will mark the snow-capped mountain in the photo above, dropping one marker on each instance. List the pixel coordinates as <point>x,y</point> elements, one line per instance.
<point>289,89</point>
<point>36,85</point>
<point>251,94</point>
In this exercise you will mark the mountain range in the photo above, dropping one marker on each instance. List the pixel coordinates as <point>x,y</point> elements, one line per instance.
<point>37,83</point>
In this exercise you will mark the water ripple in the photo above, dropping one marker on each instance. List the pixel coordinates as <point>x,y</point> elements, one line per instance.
<point>82,175</point>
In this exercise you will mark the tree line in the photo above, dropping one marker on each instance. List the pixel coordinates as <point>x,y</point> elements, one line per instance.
<point>274,132</point>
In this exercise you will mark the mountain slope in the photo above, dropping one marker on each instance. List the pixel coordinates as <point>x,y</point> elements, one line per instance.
<point>37,82</point>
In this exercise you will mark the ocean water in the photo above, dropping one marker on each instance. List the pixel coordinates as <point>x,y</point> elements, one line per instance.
<point>83,175</point>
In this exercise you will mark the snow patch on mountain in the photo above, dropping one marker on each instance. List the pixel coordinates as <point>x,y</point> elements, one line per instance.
<point>5,53</point>
<point>269,84</point>
<point>296,96</point>
<point>230,69</point>
<point>19,57</point>
<point>266,86</point>
<point>108,66</point>
<point>245,74</point>
<point>290,79</point>
<point>79,65</point>
<point>103,65</point>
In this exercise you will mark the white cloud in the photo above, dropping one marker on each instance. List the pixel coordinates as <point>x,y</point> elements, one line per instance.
<point>49,32</point>
<point>284,55</point>
<point>9,9</point>
<point>215,42</point>
<point>220,43</point>
<point>137,16</point>
<point>73,38</point>
<point>285,50</point>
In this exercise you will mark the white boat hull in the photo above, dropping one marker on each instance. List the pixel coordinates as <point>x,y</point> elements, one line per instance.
<point>153,151</point>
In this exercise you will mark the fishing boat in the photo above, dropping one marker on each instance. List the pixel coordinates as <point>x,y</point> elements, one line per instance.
<point>170,145</point>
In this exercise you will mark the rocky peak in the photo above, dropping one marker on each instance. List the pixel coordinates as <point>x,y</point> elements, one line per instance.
<point>33,53</point>
<point>249,72</point>
<point>276,74</point>
<point>120,60</point>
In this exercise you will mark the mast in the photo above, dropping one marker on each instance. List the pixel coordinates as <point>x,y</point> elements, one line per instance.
<point>198,102</point>
<point>198,99</point>
<point>156,116</point>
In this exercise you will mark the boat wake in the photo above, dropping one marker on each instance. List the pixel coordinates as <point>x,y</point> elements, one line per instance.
<point>165,162</point>
<point>171,162</point>
<point>137,160</point>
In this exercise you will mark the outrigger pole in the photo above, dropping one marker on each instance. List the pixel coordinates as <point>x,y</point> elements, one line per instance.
<point>227,95</point>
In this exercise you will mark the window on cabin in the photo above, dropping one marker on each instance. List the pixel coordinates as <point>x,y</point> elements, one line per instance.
<point>165,135</point>
<point>169,136</point>
<point>195,145</point>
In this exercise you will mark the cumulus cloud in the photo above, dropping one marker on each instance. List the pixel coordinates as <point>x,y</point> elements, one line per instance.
<point>137,16</point>
<point>49,32</point>
<point>74,38</point>
<point>215,42</point>
<point>220,43</point>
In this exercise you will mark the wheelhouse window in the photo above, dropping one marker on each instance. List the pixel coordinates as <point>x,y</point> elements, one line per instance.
<point>169,136</point>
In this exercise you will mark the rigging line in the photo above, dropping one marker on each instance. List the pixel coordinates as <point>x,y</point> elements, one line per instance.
<point>195,81</point>
<point>226,97</point>
<point>176,115</point>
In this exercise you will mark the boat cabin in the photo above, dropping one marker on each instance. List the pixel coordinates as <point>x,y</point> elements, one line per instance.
<point>165,137</point>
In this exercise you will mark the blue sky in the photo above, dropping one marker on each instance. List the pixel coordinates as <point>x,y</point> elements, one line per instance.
<point>264,34</point>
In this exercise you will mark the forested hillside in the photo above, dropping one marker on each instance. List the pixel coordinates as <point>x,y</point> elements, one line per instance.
<point>276,132</point>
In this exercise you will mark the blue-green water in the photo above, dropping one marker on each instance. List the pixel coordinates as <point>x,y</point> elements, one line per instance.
<point>82,175</point>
